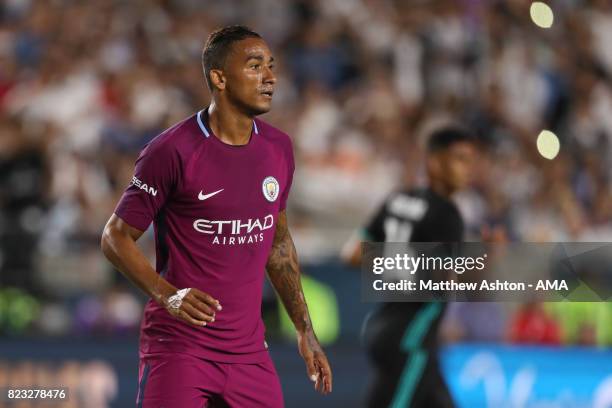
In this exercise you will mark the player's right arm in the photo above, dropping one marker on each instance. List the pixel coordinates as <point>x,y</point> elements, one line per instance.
<point>119,246</point>
<point>157,173</point>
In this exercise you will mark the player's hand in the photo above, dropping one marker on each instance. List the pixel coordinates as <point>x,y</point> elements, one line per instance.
<point>193,306</point>
<point>317,365</point>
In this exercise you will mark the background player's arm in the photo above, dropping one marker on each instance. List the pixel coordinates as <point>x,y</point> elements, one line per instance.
<point>119,246</point>
<point>351,251</point>
<point>284,274</point>
<point>373,232</point>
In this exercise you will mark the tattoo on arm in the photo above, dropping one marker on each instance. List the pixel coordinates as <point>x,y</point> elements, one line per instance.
<point>284,274</point>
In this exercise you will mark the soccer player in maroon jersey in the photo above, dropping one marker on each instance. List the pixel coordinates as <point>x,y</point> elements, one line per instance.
<point>215,187</point>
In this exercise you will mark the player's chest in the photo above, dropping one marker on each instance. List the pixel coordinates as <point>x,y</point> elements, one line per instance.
<point>241,185</point>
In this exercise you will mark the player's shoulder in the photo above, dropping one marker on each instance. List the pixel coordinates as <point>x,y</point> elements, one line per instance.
<point>406,203</point>
<point>443,208</point>
<point>177,139</point>
<point>443,203</point>
<point>405,194</point>
<point>272,133</point>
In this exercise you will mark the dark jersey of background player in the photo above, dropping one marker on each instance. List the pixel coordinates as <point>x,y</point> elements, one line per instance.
<point>416,215</point>
<point>404,334</point>
<point>402,337</point>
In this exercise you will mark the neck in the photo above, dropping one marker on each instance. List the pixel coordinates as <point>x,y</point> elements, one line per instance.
<point>229,124</point>
<point>440,188</point>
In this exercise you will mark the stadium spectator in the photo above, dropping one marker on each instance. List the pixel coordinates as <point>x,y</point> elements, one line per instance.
<point>84,86</point>
<point>533,325</point>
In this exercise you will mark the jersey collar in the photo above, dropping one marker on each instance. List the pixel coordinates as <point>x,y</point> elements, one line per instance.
<point>203,114</point>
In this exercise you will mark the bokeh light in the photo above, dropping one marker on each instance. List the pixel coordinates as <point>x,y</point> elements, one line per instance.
<point>548,144</point>
<point>541,14</point>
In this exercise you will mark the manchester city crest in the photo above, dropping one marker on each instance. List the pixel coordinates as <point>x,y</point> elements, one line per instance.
<point>270,188</point>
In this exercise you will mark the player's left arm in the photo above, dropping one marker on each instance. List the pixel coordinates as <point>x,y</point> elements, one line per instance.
<point>284,274</point>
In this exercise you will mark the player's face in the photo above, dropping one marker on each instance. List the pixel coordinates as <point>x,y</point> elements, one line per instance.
<point>458,163</point>
<point>249,72</point>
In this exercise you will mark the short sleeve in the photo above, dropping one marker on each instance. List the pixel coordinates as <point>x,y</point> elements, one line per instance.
<point>155,177</point>
<point>290,170</point>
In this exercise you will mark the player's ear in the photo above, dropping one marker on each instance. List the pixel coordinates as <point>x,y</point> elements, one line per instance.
<point>218,79</point>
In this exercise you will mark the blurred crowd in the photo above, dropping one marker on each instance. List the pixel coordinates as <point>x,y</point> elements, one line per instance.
<point>84,85</point>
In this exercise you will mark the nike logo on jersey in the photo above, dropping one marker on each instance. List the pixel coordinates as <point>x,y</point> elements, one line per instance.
<point>203,196</point>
